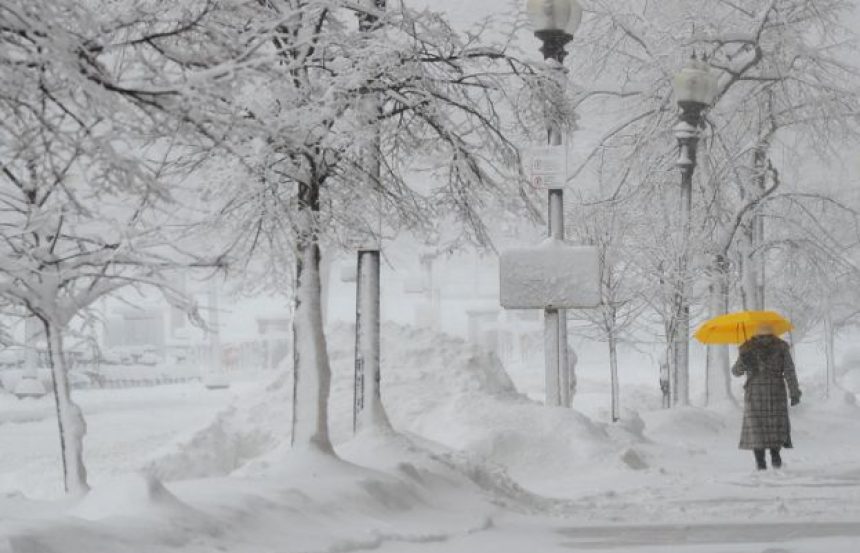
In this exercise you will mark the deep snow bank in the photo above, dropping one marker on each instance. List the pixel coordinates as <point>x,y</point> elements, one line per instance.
<point>851,381</point>
<point>288,501</point>
<point>434,386</point>
<point>256,423</point>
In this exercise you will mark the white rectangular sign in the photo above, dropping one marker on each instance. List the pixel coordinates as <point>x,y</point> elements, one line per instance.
<point>553,275</point>
<point>547,166</point>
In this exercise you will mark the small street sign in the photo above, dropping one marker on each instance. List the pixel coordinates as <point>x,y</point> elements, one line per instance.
<point>547,167</point>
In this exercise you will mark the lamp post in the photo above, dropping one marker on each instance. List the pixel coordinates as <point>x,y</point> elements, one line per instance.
<point>554,23</point>
<point>695,89</point>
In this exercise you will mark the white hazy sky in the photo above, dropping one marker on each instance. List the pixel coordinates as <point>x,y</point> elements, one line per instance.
<point>466,13</point>
<point>466,10</point>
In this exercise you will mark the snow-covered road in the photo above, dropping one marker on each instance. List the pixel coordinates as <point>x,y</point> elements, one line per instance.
<point>125,426</point>
<point>553,536</point>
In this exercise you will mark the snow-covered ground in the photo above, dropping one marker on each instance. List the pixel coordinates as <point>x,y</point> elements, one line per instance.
<point>124,425</point>
<point>477,465</point>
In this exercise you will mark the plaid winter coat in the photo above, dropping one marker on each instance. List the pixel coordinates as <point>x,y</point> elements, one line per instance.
<point>766,360</point>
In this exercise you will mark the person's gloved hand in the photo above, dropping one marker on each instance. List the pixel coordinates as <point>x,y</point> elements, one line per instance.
<point>795,399</point>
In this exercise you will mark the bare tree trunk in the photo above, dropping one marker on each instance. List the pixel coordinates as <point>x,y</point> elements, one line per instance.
<point>311,370</point>
<point>70,420</point>
<point>829,352</point>
<point>215,365</point>
<point>754,262</point>
<point>325,286</point>
<point>613,372</point>
<point>761,260</point>
<point>749,279</point>
<point>665,381</point>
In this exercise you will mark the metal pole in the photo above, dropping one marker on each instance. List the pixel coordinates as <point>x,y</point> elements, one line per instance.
<point>682,333</point>
<point>556,214</point>
<point>562,371</point>
<point>368,399</point>
<point>215,377</point>
<point>551,334</point>
<point>367,407</point>
<point>687,133</point>
<point>557,368</point>
<point>555,325</point>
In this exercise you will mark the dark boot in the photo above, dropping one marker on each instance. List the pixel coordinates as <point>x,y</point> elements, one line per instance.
<point>775,459</point>
<point>760,461</point>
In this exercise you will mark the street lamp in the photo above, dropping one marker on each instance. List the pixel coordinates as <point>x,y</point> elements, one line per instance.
<point>695,89</point>
<point>554,22</point>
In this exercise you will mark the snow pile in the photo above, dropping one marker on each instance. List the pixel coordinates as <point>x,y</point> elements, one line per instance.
<point>241,432</point>
<point>434,386</point>
<point>851,381</point>
<point>840,396</point>
<point>443,389</point>
<point>438,467</point>
<point>684,424</point>
<point>147,373</point>
<point>471,455</point>
<point>133,495</point>
<point>296,501</point>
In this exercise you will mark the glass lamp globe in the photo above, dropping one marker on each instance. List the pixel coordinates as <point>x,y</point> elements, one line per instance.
<point>554,15</point>
<point>695,83</point>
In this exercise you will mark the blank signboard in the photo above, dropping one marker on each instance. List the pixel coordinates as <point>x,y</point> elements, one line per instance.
<point>551,275</point>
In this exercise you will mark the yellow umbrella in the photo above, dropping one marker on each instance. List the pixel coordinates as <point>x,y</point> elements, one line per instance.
<point>737,328</point>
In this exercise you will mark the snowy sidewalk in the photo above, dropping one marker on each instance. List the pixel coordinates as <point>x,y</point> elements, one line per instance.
<point>481,468</point>
<point>551,536</point>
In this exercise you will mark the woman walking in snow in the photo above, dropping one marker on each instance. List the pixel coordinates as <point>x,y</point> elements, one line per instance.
<point>766,360</point>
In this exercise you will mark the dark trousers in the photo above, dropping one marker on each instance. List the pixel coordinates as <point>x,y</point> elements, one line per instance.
<point>775,459</point>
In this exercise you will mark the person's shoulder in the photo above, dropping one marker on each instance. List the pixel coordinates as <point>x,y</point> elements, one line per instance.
<point>764,343</point>
<point>781,344</point>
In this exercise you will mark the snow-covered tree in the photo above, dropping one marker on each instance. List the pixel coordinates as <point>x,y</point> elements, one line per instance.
<point>782,73</point>
<point>92,126</point>
<point>72,235</point>
<point>305,134</point>
<point>610,226</point>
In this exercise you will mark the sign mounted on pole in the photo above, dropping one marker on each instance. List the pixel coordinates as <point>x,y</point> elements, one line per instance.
<point>553,275</point>
<point>547,167</point>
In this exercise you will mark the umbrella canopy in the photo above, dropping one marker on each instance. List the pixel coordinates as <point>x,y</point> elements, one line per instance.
<point>737,328</point>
